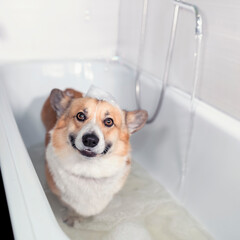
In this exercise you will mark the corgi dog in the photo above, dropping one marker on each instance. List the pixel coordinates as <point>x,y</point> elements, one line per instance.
<point>87,149</point>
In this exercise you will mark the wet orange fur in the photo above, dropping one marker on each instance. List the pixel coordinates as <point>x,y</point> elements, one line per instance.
<point>49,116</point>
<point>117,134</point>
<point>119,130</point>
<point>49,119</point>
<point>50,181</point>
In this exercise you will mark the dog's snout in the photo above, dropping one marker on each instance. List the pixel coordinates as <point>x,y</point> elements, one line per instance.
<point>90,140</point>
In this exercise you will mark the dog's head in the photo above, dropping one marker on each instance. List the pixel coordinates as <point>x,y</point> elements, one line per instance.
<point>92,128</point>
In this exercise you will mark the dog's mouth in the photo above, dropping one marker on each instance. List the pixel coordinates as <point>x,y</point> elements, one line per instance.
<point>88,152</point>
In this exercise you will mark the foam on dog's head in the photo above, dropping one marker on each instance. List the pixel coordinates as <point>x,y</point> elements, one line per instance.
<point>99,94</point>
<point>135,120</point>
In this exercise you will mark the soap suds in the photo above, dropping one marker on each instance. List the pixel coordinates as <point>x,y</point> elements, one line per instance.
<point>101,95</point>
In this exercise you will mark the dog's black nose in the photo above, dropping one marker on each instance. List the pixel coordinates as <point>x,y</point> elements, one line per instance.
<point>90,140</point>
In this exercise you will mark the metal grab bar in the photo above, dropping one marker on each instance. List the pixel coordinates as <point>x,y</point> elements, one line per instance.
<point>198,32</point>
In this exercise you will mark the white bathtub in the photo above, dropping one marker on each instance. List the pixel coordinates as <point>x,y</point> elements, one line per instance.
<point>210,185</point>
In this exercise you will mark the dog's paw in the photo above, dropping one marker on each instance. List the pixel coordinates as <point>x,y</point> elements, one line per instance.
<point>71,220</point>
<point>70,217</point>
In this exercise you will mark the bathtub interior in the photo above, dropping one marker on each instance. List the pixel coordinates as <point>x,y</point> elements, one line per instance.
<point>195,156</point>
<point>37,79</point>
<point>159,147</point>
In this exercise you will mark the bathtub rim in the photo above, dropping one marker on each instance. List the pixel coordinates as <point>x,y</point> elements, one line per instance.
<point>22,183</point>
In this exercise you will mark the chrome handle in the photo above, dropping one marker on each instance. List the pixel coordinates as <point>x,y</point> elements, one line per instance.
<point>198,32</point>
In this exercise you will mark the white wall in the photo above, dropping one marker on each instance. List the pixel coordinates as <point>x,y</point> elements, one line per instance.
<point>41,29</point>
<point>220,68</point>
<point>89,29</point>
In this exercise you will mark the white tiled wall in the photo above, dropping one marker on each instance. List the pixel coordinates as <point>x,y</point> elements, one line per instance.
<point>220,67</point>
<point>41,29</point>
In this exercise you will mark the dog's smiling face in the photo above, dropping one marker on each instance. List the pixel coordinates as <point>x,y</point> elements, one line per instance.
<point>92,129</point>
<point>96,128</point>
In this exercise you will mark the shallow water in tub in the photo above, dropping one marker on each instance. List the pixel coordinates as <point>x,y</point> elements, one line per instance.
<point>142,210</point>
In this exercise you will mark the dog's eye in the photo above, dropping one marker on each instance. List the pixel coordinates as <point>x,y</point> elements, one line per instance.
<point>108,122</point>
<point>81,116</point>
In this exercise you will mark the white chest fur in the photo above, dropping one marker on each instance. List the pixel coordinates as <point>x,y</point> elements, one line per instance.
<point>86,185</point>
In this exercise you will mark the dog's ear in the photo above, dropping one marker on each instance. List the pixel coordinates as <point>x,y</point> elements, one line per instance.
<point>135,120</point>
<point>59,101</point>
